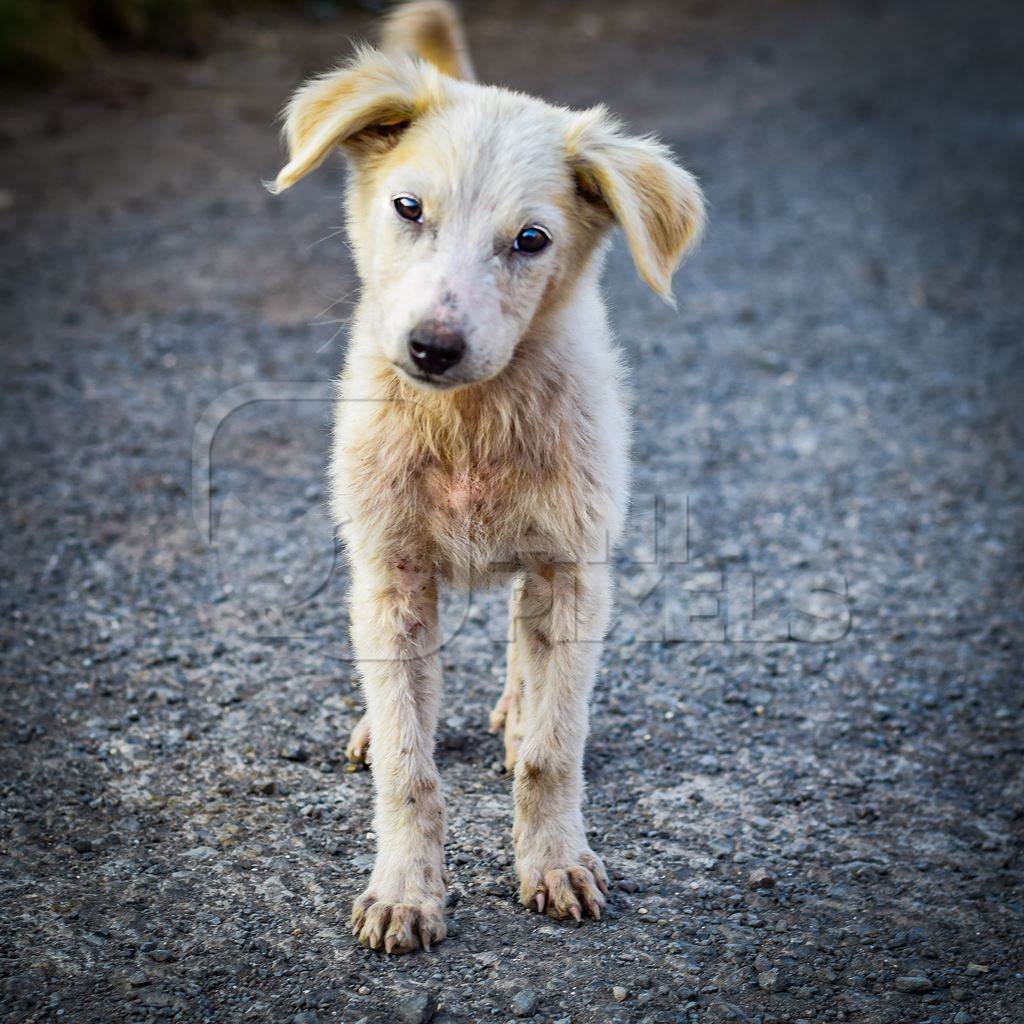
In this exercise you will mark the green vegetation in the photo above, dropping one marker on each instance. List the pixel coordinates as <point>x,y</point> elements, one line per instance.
<point>41,40</point>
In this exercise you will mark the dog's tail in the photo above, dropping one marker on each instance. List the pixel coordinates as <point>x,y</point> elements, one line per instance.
<point>430,29</point>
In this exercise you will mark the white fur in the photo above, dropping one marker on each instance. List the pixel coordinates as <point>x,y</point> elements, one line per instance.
<point>512,466</point>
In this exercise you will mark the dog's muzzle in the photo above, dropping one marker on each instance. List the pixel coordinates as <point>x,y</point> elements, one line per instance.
<point>435,349</point>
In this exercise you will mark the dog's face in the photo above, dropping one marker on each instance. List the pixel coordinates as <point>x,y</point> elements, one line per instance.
<point>471,208</point>
<point>460,230</point>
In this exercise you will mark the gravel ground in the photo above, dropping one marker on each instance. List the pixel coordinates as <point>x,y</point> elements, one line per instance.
<point>806,818</point>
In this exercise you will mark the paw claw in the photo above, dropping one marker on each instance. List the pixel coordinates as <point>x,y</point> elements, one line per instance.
<point>573,891</point>
<point>396,928</point>
<point>359,910</point>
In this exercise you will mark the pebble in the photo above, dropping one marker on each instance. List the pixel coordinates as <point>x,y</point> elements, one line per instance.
<point>771,980</point>
<point>417,1009</point>
<point>524,1003</point>
<point>619,994</point>
<point>760,878</point>
<point>914,984</point>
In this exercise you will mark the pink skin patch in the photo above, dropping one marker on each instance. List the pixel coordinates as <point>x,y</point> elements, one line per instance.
<point>464,491</point>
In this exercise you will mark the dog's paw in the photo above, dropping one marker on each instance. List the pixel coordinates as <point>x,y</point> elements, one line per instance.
<point>358,749</point>
<point>506,717</point>
<point>397,927</point>
<point>499,713</point>
<point>575,890</point>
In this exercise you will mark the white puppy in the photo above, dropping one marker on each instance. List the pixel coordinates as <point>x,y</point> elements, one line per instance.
<point>481,432</point>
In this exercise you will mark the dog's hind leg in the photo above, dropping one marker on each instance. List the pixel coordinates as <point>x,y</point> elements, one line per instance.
<point>563,615</point>
<point>507,714</point>
<point>396,636</point>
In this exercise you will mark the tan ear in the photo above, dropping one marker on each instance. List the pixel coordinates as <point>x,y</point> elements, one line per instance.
<point>657,203</point>
<point>430,29</point>
<point>363,106</point>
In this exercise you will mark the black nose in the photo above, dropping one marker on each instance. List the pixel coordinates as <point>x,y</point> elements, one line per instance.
<point>435,349</point>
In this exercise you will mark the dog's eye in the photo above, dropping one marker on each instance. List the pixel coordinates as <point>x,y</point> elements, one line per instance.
<point>531,239</point>
<point>408,207</point>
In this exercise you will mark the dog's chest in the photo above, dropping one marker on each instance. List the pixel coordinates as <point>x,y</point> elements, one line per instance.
<point>470,494</point>
<point>470,500</point>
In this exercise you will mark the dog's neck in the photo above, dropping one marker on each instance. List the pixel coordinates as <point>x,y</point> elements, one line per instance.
<point>526,406</point>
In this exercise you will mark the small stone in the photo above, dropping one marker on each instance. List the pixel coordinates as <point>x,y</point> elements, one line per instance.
<point>619,994</point>
<point>138,979</point>
<point>760,878</point>
<point>730,1011</point>
<point>524,1003</point>
<point>961,1017</point>
<point>914,984</point>
<point>295,753</point>
<point>305,1017</point>
<point>82,845</point>
<point>771,980</point>
<point>163,1001</point>
<point>268,787</point>
<point>417,1009</point>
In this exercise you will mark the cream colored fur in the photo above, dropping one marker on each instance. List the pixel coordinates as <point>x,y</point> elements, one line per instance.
<point>512,468</point>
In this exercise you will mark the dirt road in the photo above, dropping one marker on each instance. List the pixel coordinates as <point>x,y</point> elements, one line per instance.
<point>825,830</point>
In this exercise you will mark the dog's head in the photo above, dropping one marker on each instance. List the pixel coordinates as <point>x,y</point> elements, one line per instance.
<point>472,209</point>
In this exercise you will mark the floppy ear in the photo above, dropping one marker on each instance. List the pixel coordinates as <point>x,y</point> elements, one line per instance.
<point>430,29</point>
<point>657,203</point>
<point>363,106</point>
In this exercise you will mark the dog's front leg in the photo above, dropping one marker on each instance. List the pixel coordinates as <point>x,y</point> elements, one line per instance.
<point>564,613</point>
<point>395,633</point>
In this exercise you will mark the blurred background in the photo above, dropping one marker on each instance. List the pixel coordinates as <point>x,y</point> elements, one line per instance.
<point>805,766</point>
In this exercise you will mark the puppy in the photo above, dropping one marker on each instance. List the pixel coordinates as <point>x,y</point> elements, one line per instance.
<point>481,432</point>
